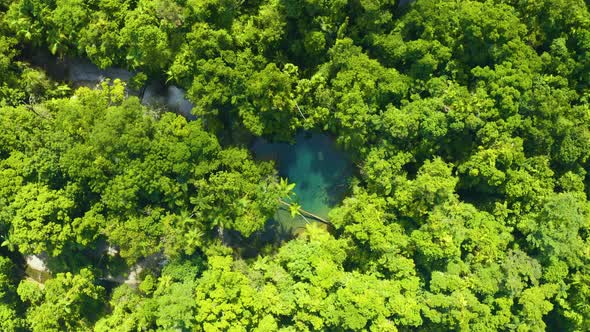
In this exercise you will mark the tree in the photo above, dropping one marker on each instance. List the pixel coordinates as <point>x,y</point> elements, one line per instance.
<point>10,306</point>
<point>41,220</point>
<point>146,44</point>
<point>557,229</point>
<point>434,185</point>
<point>358,88</point>
<point>67,302</point>
<point>224,298</point>
<point>238,196</point>
<point>271,108</point>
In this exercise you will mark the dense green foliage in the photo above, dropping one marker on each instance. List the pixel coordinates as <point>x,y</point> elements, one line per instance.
<point>469,120</point>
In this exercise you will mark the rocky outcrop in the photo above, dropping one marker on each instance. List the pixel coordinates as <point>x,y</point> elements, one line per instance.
<point>37,262</point>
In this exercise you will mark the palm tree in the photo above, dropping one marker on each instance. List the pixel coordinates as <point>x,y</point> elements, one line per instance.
<point>286,190</point>
<point>188,223</point>
<point>8,243</point>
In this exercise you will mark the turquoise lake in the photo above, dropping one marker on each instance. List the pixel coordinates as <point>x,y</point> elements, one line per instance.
<point>318,168</point>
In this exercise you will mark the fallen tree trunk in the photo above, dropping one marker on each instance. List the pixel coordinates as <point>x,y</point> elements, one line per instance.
<point>309,214</point>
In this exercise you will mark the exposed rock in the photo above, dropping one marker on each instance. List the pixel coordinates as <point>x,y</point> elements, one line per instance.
<point>132,276</point>
<point>37,262</point>
<point>171,97</point>
<point>112,251</point>
<point>82,72</point>
<point>177,101</point>
<point>37,268</point>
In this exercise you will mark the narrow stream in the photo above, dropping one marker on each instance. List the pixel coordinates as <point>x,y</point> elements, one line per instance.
<point>313,162</point>
<point>81,72</point>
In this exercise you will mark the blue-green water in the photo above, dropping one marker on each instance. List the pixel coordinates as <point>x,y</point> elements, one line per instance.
<point>318,168</point>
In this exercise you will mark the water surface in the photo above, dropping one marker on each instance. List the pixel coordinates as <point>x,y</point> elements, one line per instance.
<point>318,168</point>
